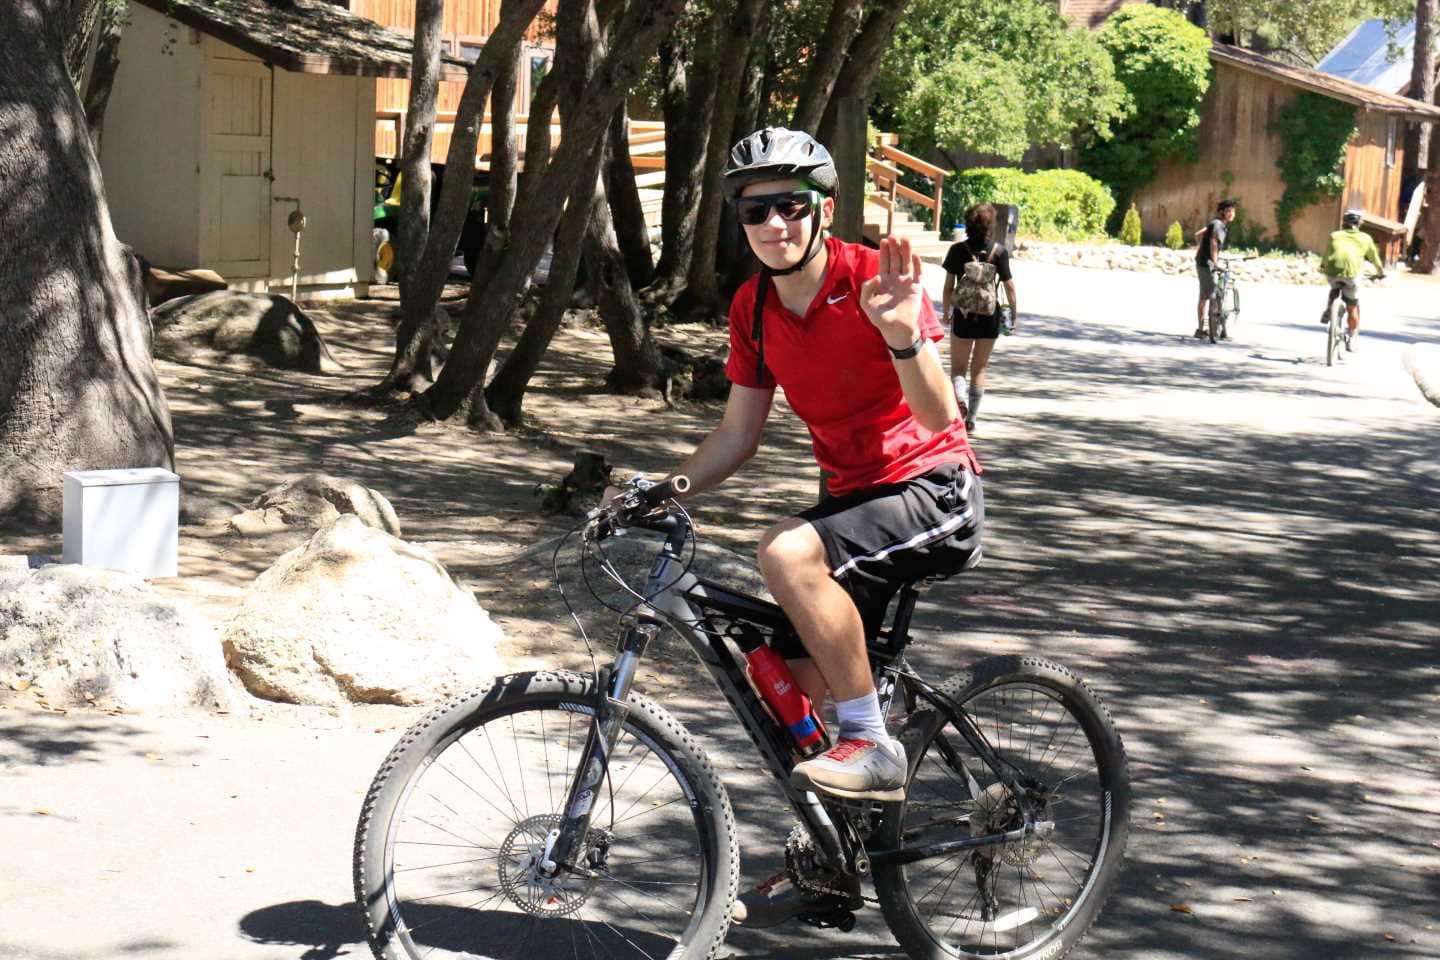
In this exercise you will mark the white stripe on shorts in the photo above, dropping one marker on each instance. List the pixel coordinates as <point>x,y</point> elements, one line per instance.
<point>920,539</point>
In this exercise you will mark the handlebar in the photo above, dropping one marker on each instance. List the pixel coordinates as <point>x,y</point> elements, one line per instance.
<point>637,503</point>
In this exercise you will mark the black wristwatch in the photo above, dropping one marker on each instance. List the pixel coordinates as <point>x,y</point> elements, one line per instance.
<point>905,353</point>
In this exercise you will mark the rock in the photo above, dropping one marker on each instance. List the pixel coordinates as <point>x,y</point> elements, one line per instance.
<point>1422,360</point>
<point>358,615</point>
<point>581,488</point>
<point>313,501</point>
<point>162,285</point>
<point>84,635</point>
<point>263,325</point>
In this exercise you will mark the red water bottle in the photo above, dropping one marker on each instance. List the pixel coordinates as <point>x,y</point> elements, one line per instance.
<point>772,677</point>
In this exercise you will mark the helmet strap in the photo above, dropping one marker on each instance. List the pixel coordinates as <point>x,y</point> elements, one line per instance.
<point>812,248</point>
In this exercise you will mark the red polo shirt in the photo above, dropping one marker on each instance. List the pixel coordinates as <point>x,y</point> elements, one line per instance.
<point>839,378</point>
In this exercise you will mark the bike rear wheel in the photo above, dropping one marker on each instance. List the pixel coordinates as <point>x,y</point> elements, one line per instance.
<point>1030,898</point>
<point>1215,318</point>
<point>452,833</point>
<point>1233,314</point>
<point>1332,332</point>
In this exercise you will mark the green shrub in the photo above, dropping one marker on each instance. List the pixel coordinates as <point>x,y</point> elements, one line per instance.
<point>1163,61</point>
<point>1054,204</point>
<point>1130,229</point>
<point>1175,236</point>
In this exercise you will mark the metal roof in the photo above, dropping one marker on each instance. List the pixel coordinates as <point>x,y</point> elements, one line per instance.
<point>1346,91</point>
<point>302,36</point>
<point>1366,55</point>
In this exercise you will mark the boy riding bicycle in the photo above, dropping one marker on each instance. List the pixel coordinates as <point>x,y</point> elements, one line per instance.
<point>1345,256</point>
<point>850,335</point>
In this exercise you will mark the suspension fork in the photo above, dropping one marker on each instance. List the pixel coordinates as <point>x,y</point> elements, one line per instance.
<point>611,710</point>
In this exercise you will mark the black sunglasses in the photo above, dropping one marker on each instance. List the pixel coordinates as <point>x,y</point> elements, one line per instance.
<point>753,211</point>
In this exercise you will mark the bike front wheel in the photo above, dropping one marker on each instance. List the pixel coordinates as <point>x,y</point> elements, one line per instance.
<point>1029,898</point>
<point>449,851</point>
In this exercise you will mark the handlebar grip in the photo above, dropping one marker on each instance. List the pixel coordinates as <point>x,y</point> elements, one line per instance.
<point>668,490</point>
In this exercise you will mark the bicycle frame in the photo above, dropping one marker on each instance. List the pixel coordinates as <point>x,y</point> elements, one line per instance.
<point>694,605</point>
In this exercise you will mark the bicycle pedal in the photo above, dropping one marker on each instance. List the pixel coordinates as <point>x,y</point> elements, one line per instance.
<point>835,919</point>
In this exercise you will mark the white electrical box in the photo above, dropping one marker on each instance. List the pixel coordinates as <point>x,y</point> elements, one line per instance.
<point>126,520</point>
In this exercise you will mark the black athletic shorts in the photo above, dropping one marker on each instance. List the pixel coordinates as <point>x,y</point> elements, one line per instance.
<point>968,326</point>
<point>880,538</point>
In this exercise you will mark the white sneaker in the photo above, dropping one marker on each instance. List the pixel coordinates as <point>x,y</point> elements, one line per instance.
<point>1350,339</point>
<point>856,770</point>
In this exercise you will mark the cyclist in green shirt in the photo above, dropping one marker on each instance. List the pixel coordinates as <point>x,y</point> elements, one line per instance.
<point>1345,258</point>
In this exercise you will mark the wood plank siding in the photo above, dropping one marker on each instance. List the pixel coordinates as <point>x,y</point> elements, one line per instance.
<point>1235,144</point>
<point>467,25</point>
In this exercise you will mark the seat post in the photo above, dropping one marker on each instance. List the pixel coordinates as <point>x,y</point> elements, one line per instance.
<point>904,610</point>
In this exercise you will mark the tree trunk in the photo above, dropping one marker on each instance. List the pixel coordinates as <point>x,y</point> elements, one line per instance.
<point>1430,225</point>
<point>81,19</point>
<point>503,170</point>
<point>411,370</point>
<point>825,65</point>
<point>1422,85</point>
<point>863,59</point>
<point>104,68</point>
<point>78,389</point>
<point>687,111</point>
<point>638,365</point>
<point>432,265</point>
<point>506,392</point>
<point>701,299</point>
<point>625,206</point>
<point>538,208</point>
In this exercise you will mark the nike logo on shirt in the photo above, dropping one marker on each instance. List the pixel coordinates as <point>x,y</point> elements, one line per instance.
<point>834,300</point>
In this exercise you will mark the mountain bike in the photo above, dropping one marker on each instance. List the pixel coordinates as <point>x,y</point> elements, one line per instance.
<point>1225,301</point>
<point>1334,327</point>
<point>554,814</point>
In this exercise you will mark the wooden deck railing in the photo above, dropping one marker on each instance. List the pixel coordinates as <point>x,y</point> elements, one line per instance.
<point>647,138</point>
<point>886,177</point>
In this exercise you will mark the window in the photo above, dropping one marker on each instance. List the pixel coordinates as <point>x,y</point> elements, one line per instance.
<point>539,66</point>
<point>1390,136</point>
<point>469,51</point>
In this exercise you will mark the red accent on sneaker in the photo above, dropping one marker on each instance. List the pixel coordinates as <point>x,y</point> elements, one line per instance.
<point>847,748</point>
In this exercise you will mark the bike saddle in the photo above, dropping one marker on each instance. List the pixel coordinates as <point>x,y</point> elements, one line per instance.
<point>970,564</point>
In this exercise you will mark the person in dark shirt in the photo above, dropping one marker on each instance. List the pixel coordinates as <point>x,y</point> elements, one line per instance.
<point>1207,254</point>
<point>972,337</point>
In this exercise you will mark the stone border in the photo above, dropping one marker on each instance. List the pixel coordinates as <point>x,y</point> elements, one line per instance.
<point>1294,269</point>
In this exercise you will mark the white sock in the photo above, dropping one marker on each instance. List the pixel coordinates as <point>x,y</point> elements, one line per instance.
<point>860,719</point>
<point>976,395</point>
<point>962,389</point>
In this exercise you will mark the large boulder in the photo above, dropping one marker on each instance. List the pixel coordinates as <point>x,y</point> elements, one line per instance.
<point>85,635</point>
<point>263,325</point>
<point>358,615</point>
<point>315,500</point>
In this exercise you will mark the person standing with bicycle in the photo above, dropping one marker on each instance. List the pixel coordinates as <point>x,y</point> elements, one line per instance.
<point>1345,256</point>
<point>973,269</point>
<point>1207,256</point>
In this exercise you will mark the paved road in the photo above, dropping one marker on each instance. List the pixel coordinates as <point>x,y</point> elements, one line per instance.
<point>1237,545</point>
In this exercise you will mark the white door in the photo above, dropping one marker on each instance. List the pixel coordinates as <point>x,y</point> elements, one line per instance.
<point>235,168</point>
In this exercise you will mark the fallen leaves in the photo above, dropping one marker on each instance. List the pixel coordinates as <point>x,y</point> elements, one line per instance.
<point>1184,908</point>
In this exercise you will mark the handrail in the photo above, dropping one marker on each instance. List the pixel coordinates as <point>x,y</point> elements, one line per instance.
<point>887,176</point>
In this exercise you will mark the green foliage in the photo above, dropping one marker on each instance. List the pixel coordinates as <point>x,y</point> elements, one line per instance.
<point>994,78</point>
<point>1130,233</point>
<point>1054,204</point>
<point>1299,31</point>
<point>1163,61</point>
<point>1314,132</point>
<point>1247,234</point>
<point>1175,236</point>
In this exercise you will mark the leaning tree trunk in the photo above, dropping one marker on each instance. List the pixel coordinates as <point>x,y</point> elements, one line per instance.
<point>626,208</point>
<point>825,65</point>
<point>539,207</point>
<point>104,68</point>
<point>701,299</point>
<point>432,265</point>
<point>862,60</point>
<point>688,101</point>
<point>506,392</point>
<point>78,389</point>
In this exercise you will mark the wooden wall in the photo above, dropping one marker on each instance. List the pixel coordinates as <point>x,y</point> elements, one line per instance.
<point>1235,140</point>
<point>467,24</point>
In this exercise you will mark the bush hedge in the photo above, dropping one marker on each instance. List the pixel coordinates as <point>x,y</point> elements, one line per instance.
<point>1054,204</point>
<point>1175,236</point>
<point>1130,230</point>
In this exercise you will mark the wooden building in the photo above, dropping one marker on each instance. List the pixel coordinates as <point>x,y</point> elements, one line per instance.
<point>225,115</point>
<point>1239,154</point>
<point>467,25</point>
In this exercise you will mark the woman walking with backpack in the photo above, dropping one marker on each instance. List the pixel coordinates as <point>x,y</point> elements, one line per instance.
<point>974,268</point>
